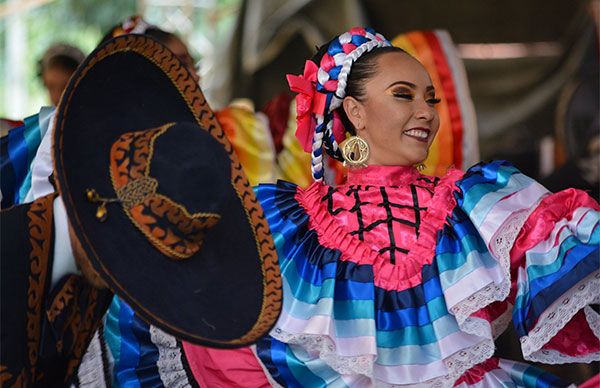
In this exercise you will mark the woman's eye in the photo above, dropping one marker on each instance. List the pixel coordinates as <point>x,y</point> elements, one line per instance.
<point>433,101</point>
<point>405,96</point>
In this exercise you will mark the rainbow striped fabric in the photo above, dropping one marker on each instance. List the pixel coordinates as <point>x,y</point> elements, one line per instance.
<point>339,328</point>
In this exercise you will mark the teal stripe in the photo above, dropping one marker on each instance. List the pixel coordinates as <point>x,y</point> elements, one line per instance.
<point>279,240</point>
<point>25,187</point>
<point>409,355</point>
<point>112,332</point>
<point>32,135</point>
<point>537,271</point>
<point>586,233</point>
<point>474,195</point>
<point>418,335</point>
<point>474,261</point>
<point>319,368</point>
<point>299,290</point>
<point>303,290</point>
<point>469,243</point>
<point>353,309</point>
<point>303,374</point>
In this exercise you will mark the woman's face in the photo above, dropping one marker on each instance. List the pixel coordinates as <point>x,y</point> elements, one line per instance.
<point>55,80</point>
<point>397,116</point>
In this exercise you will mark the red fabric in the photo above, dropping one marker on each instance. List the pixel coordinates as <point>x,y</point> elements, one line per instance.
<point>278,112</point>
<point>225,367</point>
<point>594,382</point>
<point>445,74</point>
<point>492,312</point>
<point>304,85</point>
<point>336,231</point>
<point>477,373</point>
<point>576,338</point>
<point>541,222</point>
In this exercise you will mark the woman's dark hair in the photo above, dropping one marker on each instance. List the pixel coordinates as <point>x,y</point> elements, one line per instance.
<point>362,70</point>
<point>60,56</point>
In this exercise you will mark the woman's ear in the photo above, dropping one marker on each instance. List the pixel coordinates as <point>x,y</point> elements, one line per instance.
<point>355,112</point>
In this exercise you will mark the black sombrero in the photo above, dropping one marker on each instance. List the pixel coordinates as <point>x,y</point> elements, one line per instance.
<point>158,198</point>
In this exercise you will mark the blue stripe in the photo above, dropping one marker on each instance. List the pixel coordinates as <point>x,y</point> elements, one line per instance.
<point>419,316</point>
<point>8,177</point>
<point>279,356</point>
<point>263,350</point>
<point>130,350</point>
<point>556,287</point>
<point>418,335</point>
<point>146,370</point>
<point>18,153</point>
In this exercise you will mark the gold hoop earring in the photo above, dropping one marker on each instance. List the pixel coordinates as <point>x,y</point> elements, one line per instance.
<point>355,151</point>
<point>420,166</point>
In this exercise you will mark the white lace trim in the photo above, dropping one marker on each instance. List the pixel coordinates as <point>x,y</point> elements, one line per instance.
<point>91,369</point>
<point>593,319</point>
<point>170,367</point>
<point>555,317</point>
<point>482,328</point>
<point>502,245</point>
<point>323,346</point>
<point>551,356</point>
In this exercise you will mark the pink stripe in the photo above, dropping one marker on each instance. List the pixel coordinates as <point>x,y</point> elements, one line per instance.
<point>325,326</point>
<point>555,238</point>
<point>225,367</point>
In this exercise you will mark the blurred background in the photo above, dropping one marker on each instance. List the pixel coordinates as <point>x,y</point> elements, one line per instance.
<point>532,66</point>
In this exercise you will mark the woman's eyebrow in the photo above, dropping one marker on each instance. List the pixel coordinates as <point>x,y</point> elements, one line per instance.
<point>409,84</point>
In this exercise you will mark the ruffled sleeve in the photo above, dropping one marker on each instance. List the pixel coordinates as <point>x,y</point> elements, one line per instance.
<point>328,308</point>
<point>544,260</point>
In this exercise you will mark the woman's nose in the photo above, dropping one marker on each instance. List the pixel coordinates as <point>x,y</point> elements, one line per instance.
<point>424,111</point>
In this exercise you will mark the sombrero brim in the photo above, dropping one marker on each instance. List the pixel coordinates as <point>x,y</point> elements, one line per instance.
<point>229,293</point>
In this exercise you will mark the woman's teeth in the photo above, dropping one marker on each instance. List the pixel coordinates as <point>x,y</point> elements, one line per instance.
<point>417,133</point>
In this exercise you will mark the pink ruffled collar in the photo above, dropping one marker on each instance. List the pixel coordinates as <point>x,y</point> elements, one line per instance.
<point>406,273</point>
<point>382,175</point>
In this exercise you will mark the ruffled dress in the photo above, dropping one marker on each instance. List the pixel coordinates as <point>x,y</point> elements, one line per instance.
<point>397,278</point>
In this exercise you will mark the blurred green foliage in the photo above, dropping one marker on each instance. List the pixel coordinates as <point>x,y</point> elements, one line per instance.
<point>82,23</point>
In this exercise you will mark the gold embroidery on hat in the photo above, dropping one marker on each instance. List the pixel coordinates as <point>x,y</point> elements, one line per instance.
<point>137,191</point>
<point>165,223</point>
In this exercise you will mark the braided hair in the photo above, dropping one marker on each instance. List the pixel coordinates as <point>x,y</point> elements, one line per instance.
<point>340,68</point>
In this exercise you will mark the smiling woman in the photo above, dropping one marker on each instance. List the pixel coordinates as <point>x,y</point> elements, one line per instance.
<point>399,278</point>
<point>396,113</point>
<point>396,277</point>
